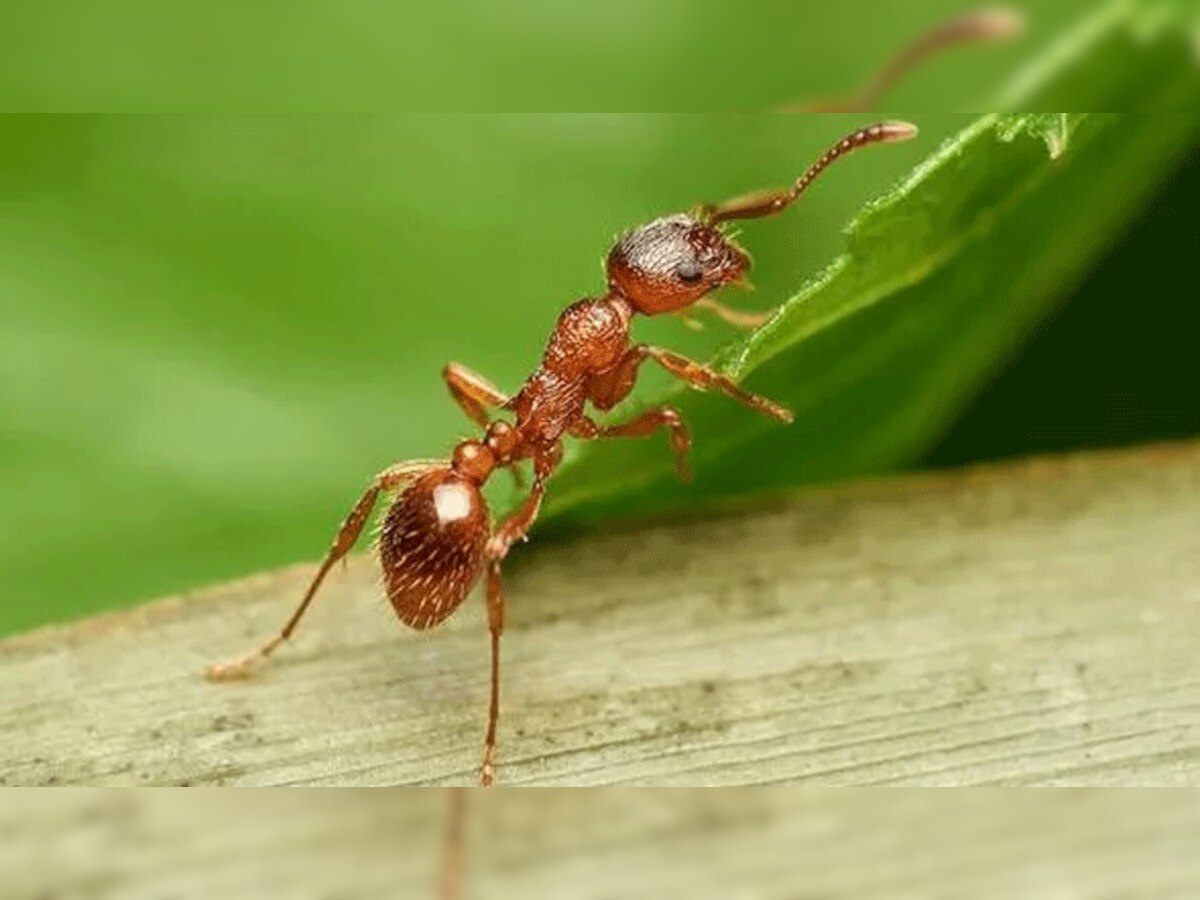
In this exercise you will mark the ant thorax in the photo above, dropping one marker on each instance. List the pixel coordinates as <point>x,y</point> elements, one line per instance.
<point>591,337</point>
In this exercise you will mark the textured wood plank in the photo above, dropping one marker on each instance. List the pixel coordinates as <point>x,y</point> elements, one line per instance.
<point>605,844</point>
<point>1034,623</point>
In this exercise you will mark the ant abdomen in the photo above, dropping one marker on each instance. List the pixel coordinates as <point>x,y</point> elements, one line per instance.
<point>431,545</point>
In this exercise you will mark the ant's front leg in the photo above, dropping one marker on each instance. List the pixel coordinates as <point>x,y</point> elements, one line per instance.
<point>644,426</point>
<point>704,378</point>
<point>738,318</point>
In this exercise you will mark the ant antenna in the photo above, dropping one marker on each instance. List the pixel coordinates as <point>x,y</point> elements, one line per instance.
<point>976,26</point>
<point>753,206</point>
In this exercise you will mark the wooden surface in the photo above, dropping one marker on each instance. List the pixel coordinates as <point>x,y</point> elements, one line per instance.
<point>790,843</point>
<point>1035,623</point>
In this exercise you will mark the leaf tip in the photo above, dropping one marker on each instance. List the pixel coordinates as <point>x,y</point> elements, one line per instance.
<point>1053,128</point>
<point>1056,133</point>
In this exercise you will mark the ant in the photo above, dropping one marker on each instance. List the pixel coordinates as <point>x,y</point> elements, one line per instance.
<point>436,539</point>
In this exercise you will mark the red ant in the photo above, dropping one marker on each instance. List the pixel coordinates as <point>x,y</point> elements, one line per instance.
<point>436,538</point>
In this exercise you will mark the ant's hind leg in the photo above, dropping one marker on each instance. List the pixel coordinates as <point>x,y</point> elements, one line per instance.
<point>242,666</point>
<point>495,608</point>
<point>645,425</point>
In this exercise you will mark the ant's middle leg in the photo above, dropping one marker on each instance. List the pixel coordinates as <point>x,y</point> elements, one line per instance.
<point>643,426</point>
<point>389,479</point>
<point>473,393</point>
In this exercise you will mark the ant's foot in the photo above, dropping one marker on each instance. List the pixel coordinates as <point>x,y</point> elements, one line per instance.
<point>497,547</point>
<point>234,669</point>
<point>243,666</point>
<point>487,766</point>
<point>487,771</point>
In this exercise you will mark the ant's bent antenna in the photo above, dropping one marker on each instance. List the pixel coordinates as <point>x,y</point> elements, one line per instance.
<point>753,206</point>
<point>979,25</point>
<point>976,26</point>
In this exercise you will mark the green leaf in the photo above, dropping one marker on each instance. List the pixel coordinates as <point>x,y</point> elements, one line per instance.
<point>1117,58</point>
<point>942,278</point>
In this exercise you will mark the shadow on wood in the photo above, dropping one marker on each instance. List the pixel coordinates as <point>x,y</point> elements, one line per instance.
<point>1022,624</point>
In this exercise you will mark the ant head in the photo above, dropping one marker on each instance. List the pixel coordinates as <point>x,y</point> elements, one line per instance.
<point>673,262</point>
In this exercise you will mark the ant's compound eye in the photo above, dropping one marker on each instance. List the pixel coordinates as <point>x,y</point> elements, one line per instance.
<point>688,272</point>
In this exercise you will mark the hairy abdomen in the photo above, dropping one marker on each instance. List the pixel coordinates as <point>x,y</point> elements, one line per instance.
<point>431,546</point>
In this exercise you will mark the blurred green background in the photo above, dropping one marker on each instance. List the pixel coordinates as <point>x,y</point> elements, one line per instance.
<point>213,330</point>
<point>363,55</point>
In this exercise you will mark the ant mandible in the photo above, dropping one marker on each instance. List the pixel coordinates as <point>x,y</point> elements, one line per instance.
<point>436,539</point>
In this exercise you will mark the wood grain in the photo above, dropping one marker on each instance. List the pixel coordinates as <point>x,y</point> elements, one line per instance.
<point>789,843</point>
<point>1031,623</point>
